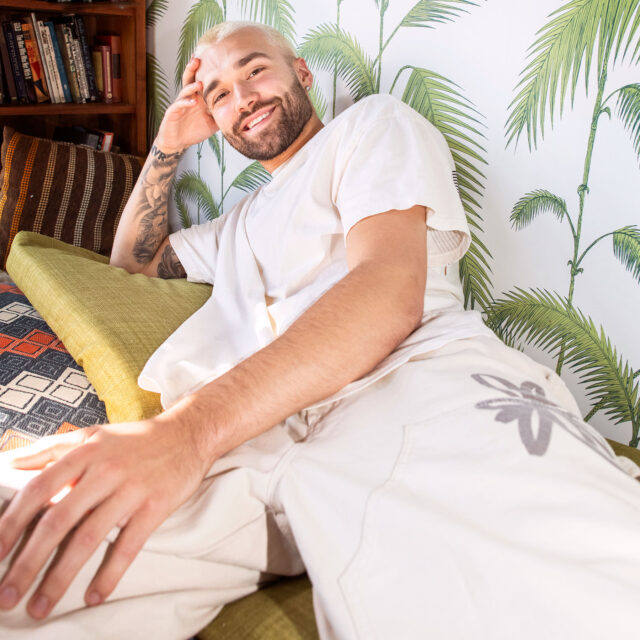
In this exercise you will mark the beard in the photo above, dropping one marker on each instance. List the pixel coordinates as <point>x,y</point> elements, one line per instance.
<point>293,111</point>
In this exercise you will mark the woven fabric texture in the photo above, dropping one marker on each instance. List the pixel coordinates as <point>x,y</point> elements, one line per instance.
<point>42,389</point>
<point>109,320</point>
<point>62,190</point>
<point>281,611</point>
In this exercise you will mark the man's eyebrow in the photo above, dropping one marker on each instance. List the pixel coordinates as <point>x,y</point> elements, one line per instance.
<point>237,65</point>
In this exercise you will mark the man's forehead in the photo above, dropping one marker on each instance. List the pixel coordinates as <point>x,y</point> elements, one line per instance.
<point>236,51</point>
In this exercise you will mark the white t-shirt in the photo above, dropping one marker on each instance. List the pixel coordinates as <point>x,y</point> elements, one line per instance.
<point>283,246</point>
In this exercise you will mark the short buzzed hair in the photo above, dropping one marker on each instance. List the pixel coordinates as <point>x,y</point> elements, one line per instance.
<point>225,29</point>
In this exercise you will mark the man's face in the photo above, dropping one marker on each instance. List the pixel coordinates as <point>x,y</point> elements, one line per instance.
<point>254,94</point>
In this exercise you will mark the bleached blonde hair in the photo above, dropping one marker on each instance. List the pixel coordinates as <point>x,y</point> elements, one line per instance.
<point>225,29</point>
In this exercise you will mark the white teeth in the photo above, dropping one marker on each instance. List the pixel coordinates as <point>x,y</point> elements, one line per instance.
<point>253,123</point>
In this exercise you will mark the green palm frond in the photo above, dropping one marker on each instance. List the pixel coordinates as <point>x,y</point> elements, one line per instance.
<point>318,101</point>
<point>439,101</point>
<point>251,177</point>
<point>545,319</point>
<point>203,15</point>
<point>191,187</point>
<point>557,56</point>
<point>629,112</point>
<point>215,146</point>
<point>535,202</point>
<point>427,13</point>
<point>276,13</point>
<point>183,211</point>
<point>155,10</point>
<point>158,95</point>
<point>328,47</point>
<point>626,247</point>
<point>474,273</point>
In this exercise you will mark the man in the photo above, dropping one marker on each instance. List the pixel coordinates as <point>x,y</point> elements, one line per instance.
<point>331,408</point>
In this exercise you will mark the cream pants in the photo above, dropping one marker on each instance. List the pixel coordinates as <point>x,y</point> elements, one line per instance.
<point>459,497</point>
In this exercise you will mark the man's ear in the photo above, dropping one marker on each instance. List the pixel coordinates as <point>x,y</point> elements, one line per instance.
<point>302,71</point>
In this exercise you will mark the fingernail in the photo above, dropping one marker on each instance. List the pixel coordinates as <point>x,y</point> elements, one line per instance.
<point>93,598</point>
<point>8,597</point>
<point>40,606</point>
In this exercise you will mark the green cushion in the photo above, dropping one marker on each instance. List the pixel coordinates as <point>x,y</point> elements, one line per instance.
<point>281,611</point>
<point>109,320</point>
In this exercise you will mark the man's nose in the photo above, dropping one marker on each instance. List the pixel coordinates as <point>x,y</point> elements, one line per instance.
<point>245,96</point>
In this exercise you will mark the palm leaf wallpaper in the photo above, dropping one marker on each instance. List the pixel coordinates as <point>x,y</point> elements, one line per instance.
<point>539,102</point>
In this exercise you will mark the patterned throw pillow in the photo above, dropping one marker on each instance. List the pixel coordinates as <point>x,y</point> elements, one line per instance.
<point>68,192</point>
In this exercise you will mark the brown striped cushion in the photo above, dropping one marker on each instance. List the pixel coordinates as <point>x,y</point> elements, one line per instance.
<point>62,190</point>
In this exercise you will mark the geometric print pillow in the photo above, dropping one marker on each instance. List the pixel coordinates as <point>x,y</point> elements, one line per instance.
<point>62,190</point>
<point>42,390</point>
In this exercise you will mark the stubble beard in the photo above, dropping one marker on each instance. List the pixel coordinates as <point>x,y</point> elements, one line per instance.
<point>293,111</point>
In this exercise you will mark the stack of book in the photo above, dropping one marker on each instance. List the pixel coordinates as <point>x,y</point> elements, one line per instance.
<point>48,59</point>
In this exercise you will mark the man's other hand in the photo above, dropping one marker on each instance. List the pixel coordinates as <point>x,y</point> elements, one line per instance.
<point>187,121</point>
<point>131,475</point>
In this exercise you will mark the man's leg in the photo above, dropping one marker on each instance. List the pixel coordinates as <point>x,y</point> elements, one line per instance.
<point>218,547</point>
<point>463,497</point>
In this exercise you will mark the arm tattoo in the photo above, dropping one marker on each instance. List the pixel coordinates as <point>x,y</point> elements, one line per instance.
<point>169,265</point>
<point>153,203</point>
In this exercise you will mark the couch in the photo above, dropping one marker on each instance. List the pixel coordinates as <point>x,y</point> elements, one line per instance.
<point>111,322</point>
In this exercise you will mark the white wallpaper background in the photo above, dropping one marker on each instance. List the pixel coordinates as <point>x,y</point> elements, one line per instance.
<point>484,52</point>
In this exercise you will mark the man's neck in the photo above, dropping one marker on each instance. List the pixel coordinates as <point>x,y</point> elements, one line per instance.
<point>313,125</point>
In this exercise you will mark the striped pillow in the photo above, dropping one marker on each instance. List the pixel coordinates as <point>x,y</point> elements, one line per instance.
<point>68,192</point>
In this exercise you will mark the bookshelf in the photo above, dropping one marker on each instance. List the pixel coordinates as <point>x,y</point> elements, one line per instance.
<point>126,119</point>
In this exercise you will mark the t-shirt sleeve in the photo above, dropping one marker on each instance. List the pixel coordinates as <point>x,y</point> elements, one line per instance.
<point>197,249</point>
<point>401,160</point>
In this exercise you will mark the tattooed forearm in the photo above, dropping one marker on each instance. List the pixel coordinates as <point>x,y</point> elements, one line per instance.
<point>169,265</point>
<point>152,201</point>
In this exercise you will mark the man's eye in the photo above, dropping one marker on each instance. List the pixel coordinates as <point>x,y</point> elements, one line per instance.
<point>256,71</point>
<point>219,97</point>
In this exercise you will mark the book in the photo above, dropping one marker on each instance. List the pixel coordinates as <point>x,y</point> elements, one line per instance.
<point>2,89</point>
<point>114,41</point>
<point>46,56</point>
<point>62,73</point>
<point>78,135</point>
<point>64,41</point>
<point>81,73</point>
<point>10,83</point>
<point>35,62</point>
<point>24,60</point>
<point>104,51</point>
<point>86,58</point>
<point>14,60</point>
<point>96,58</point>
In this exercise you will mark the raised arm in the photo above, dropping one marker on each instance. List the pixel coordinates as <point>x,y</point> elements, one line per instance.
<point>141,244</point>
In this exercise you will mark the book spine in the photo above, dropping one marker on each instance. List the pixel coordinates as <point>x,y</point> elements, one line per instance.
<point>105,54</point>
<point>3,92</point>
<point>16,65</point>
<point>24,60</point>
<point>55,87</point>
<point>8,73</point>
<point>86,58</point>
<point>96,59</point>
<point>77,60</point>
<point>66,91</point>
<point>69,64</point>
<point>115,42</point>
<point>35,62</point>
<point>45,57</point>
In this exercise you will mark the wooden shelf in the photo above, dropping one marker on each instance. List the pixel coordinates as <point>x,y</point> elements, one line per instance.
<point>94,8</point>
<point>48,109</point>
<point>126,119</point>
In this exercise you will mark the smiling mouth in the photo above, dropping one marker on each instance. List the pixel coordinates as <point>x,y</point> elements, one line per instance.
<point>258,120</point>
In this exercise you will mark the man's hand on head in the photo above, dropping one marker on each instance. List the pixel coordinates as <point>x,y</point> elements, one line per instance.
<point>131,475</point>
<point>187,121</point>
